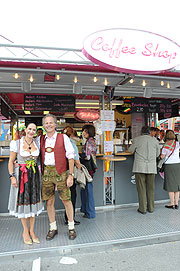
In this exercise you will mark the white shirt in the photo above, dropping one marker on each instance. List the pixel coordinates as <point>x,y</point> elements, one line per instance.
<point>49,159</point>
<point>174,158</point>
<point>23,153</point>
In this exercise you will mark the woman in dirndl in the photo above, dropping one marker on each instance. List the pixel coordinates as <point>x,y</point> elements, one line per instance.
<point>25,192</point>
<point>170,152</point>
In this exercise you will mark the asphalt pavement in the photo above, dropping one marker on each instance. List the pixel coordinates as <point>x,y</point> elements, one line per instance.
<point>157,257</point>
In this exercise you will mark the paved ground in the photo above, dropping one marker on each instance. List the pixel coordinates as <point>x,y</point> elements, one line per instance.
<point>117,239</point>
<point>145,258</point>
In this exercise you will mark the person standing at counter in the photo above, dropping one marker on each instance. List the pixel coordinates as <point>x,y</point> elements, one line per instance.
<point>146,149</point>
<point>25,193</point>
<point>170,152</point>
<point>88,159</point>
<point>70,132</point>
<point>56,149</point>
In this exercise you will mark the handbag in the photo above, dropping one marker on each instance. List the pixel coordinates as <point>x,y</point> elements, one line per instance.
<point>160,164</point>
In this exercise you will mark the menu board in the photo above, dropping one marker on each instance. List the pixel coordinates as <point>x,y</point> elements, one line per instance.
<point>53,103</point>
<point>174,113</point>
<point>144,105</point>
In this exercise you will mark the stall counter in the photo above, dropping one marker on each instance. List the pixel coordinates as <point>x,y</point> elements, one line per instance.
<point>125,190</point>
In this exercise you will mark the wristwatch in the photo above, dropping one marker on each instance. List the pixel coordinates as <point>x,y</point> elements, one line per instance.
<point>72,174</point>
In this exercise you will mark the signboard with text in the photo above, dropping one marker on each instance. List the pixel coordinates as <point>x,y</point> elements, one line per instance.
<point>144,105</point>
<point>53,103</point>
<point>131,50</point>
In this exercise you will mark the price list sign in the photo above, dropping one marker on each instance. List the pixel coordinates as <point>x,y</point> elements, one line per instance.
<point>143,105</point>
<point>53,103</point>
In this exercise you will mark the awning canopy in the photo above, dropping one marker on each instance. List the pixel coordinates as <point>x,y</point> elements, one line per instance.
<point>48,70</point>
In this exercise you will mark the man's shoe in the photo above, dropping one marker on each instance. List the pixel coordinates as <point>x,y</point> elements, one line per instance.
<point>176,207</point>
<point>76,222</point>
<point>51,234</point>
<point>143,213</point>
<point>72,234</point>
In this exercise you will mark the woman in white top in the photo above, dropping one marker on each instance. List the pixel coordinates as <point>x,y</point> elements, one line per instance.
<point>170,152</point>
<point>25,193</point>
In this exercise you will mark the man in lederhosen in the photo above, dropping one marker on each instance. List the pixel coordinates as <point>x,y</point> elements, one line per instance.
<point>57,154</point>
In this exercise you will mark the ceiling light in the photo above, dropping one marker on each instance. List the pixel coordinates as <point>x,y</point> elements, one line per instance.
<point>31,79</point>
<point>131,81</point>
<point>27,112</point>
<point>75,79</point>
<point>16,75</point>
<point>105,82</point>
<point>45,112</point>
<point>95,79</point>
<point>144,83</point>
<point>162,83</point>
<point>58,77</point>
<point>168,85</point>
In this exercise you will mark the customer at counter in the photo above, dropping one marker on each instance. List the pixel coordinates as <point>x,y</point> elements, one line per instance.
<point>88,159</point>
<point>146,149</point>
<point>170,152</point>
<point>25,193</point>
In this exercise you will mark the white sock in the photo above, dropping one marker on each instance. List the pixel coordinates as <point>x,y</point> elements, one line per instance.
<point>71,225</point>
<point>53,226</point>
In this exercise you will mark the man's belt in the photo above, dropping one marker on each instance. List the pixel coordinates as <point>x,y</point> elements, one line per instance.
<point>49,149</point>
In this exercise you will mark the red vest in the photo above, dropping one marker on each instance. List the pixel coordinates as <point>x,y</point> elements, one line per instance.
<point>59,154</point>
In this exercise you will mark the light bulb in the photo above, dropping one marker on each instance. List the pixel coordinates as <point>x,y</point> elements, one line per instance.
<point>144,83</point>
<point>58,77</point>
<point>105,82</point>
<point>95,79</point>
<point>162,83</point>
<point>16,76</point>
<point>168,85</point>
<point>131,81</point>
<point>31,79</point>
<point>75,79</point>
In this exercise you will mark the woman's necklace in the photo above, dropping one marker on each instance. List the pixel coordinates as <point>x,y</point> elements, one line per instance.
<point>29,144</point>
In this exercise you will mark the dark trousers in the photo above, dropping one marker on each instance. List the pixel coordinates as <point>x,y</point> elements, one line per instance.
<point>145,187</point>
<point>73,199</point>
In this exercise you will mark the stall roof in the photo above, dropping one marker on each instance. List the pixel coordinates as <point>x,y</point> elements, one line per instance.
<point>66,71</point>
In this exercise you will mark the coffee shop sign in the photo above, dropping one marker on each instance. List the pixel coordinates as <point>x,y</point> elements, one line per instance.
<point>130,50</point>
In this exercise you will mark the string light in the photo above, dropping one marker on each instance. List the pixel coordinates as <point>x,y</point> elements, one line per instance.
<point>58,77</point>
<point>168,85</point>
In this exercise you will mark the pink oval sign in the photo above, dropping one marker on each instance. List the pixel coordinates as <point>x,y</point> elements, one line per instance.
<point>87,115</point>
<point>130,50</point>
